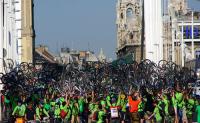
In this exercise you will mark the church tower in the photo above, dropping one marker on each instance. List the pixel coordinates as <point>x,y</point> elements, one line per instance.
<point>129,18</point>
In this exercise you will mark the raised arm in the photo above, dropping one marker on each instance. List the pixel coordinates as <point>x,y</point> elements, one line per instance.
<point>14,111</point>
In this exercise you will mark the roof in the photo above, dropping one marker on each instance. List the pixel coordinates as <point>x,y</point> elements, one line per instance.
<point>42,51</point>
<point>91,58</point>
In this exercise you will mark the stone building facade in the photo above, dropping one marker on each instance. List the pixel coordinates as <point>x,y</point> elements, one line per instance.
<point>28,32</point>
<point>129,28</point>
<point>177,15</point>
<point>181,32</point>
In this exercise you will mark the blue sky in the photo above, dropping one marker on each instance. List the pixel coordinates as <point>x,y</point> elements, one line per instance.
<point>79,24</point>
<point>76,23</point>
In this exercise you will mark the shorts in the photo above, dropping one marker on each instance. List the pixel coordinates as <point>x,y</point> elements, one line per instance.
<point>135,117</point>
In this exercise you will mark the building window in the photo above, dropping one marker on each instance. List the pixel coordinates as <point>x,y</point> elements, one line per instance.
<point>197,32</point>
<point>17,47</point>
<point>121,16</point>
<point>187,32</point>
<point>129,13</point>
<point>9,38</point>
<point>197,53</point>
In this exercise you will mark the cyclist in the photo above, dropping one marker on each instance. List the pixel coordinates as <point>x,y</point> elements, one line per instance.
<point>19,112</point>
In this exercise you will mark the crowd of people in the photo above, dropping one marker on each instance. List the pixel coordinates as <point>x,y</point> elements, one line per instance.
<point>177,105</point>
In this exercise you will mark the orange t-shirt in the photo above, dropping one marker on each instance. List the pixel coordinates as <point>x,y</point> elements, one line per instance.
<point>133,104</point>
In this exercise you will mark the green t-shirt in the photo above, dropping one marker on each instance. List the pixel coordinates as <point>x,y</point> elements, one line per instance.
<point>141,106</point>
<point>157,114</point>
<point>81,105</point>
<point>52,103</point>
<point>7,101</point>
<point>190,107</point>
<point>39,112</point>
<point>179,98</point>
<point>69,113</point>
<point>166,102</point>
<point>198,113</point>
<point>75,110</point>
<point>47,106</point>
<point>91,107</point>
<point>123,103</point>
<point>101,115</point>
<point>174,102</point>
<point>19,110</point>
<point>57,111</point>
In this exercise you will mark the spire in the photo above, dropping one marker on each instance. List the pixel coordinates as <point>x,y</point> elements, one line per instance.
<point>101,56</point>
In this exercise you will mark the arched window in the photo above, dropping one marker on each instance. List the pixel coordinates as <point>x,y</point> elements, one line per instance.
<point>121,16</point>
<point>129,13</point>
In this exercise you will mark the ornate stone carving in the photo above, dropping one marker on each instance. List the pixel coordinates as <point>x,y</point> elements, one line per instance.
<point>128,22</point>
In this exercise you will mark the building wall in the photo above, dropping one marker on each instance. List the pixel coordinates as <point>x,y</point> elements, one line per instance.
<point>167,39</point>
<point>190,42</point>
<point>10,32</point>
<point>179,14</point>
<point>28,33</point>
<point>16,31</point>
<point>1,36</point>
<point>153,30</point>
